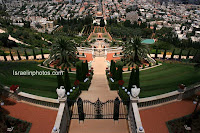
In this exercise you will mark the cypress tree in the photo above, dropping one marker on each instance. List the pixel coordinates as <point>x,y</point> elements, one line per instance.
<point>118,74</point>
<point>164,55</point>
<point>11,56</point>
<point>111,65</point>
<point>172,56</point>
<point>180,55</point>
<point>19,57</point>
<point>137,77</point>
<point>86,66</point>
<point>156,55</point>
<point>26,54</point>
<point>42,54</point>
<point>60,81</point>
<point>83,68</point>
<point>188,55</point>
<point>78,71</point>
<point>131,80</point>
<point>67,81</point>
<point>34,55</point>
<point>114,70</point>
<point>4,55</point>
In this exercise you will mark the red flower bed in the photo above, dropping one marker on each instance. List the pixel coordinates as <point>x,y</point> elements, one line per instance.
<point>88,75</point>
<point>76,83</point>
<point>121,82</point>
<point>14,87</point>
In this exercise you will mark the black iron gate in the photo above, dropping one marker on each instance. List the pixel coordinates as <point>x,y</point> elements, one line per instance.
<point>111,109</point>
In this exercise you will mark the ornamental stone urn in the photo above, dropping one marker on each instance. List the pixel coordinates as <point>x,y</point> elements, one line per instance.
<point>61,92</point>
<point>135,91</point>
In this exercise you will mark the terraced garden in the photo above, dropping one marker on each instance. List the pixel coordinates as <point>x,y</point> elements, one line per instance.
<point>165,78</point>
<point>38,85</point>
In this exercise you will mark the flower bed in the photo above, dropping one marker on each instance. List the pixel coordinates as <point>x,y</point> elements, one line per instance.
<point>177,125</point>
<point>20,126</point>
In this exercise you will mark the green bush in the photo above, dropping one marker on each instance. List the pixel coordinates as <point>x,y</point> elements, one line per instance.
<point>84,85</point>
<point>123,95</point>
<point>129,68</point>
<point>83,54</point>
<point>42,64</point>
<point>143,66</point>
<point>119,64</point>
<point>78,53</point>
<point>48,65</point>
<point>156,62</point>
<point>149,64</point>
<point>54,67</point>
<point>113,85</point>
<point>115,54</point>
<point>74,95</point>
<point>70,69</point>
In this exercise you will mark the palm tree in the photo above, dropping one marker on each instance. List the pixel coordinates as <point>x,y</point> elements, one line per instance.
<point>64,50</point>
<point>135,50</point>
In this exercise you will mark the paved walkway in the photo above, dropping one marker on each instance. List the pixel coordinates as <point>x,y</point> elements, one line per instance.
<point>42,119</point>
<point>99,89</point>
<point>154,119</point>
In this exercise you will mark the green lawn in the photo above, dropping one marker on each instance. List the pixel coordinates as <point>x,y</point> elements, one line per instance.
<point>165,78</point>
<point>38,85</point>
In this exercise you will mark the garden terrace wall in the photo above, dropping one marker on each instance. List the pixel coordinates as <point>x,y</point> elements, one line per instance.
<point>167,97</point>
<point>44,101</point>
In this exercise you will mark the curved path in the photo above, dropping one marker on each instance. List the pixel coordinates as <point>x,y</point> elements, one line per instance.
<point>99,89</point>
<point>42,119</point>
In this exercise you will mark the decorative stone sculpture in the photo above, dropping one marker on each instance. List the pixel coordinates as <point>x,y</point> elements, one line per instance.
<point>61,92</point>
<point>135,91</point>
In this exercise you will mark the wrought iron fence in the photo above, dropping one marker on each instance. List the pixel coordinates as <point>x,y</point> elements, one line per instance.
<point>111,109</point>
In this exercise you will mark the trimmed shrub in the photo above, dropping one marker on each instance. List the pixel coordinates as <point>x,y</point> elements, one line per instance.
<point>4,55</point>
<point>67,82</point>
<point>123,95</point>
<point>74,95</point>
<point>113,85</point>
<point>60,81</point>
<point>42,54</point>
<point>120,53</point>
<point>78,53</point>
<point>156,55</point>
<point>156,62</point>
<point>70,69</point>
<point>137,77</point>
<point>143,66</point>
<point>19,57</point>
<point>172,56</point>
<point>149,64</point>
<point>119,73</point>
<point>115,54</point>
<point>164,55</point>
<point>188,54</point>
<point>131,79</point>
<point>119,64</point>
<point>84,85</point>
<point>180,54</point>
<point>34,55</point>
<point>129,68</point>
<point>26,54</point>
<point>11,56</point>
<point>42,64</point>
<point>83,54</point>
<point>54,66</point>
<point>48,65</point>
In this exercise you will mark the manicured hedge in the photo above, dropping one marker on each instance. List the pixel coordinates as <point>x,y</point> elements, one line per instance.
<point>113,85</point>
<point>84,85</point>
<point>123,95</point>
<point>74,95</point>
